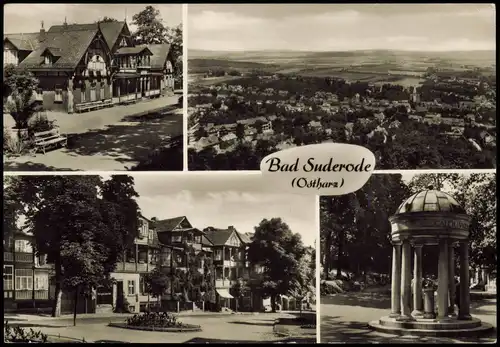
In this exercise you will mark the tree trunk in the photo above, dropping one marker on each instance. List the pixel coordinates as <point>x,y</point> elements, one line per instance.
<point>273,303</point>
<point>75,306</point>
<point>327,257</point>
<point>56,308</point>
<point>340,247</point>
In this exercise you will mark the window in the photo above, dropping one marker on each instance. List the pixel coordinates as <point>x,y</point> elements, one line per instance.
<point>41,282</point>
<point>48,60</point>
<point>197,239</point>
<point>58,96</point>
<point>23,246</point>
<point>8,277</point>
<point>10,57</point>
<point>169,66</point>
<point>176,239</point>
<point>123,43</point>
<point>218,254</point>
<point>24,279</point>
<point>131,287</point>
<point>142,285</point>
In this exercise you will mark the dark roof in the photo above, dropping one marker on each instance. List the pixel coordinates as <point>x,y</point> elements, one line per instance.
<point>24,41</point>
<point>430,201</point>
<point>133,50</point>
<point>245,237</point>
<point>160,54</point>
<point>218,237</point>
<point>205,241</point>
<point>168,224</point>
<point>110,30</point>
<point>72,46</point>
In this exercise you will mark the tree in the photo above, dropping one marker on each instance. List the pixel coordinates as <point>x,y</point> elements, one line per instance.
<point>82,224</point>
<point>107,19</point>
<point>21,104</point>
<point>239,289</point>
<point>157,282</point>
<point>150,29</point>
<point>278,251</point>
<point>240,131</point>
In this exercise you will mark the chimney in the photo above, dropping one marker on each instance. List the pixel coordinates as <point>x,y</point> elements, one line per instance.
<point>230,227</point>
<point>42,35</point>
<point>65,22</point>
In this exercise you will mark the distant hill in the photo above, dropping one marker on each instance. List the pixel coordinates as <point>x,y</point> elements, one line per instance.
<point>459,58</point>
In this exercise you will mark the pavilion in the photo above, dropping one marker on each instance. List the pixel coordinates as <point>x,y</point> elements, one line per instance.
<point>429,218</point>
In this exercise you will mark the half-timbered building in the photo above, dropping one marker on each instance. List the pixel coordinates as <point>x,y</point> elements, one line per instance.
<point>87,66</point>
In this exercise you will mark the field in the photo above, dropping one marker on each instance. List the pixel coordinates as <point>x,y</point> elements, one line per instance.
<point>406,68</point>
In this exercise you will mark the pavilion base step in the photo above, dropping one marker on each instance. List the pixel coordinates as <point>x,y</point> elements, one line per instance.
<point>437,329</point>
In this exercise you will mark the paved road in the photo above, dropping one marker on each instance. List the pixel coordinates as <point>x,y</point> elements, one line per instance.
<point>237,328</point>
<point>108,139</point>
<point>345,318</point>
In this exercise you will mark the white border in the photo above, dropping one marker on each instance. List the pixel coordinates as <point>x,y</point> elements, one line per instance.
<point>317,245</point>
<point>185,86</point>
<point>227,172</point>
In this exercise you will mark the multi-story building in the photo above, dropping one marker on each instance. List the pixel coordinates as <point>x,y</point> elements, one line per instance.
<point>28,279</point>
<point>25,275</point>
<point>86,66</point>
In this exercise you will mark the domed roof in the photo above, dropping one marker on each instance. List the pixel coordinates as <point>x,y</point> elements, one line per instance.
<point>430,201</point>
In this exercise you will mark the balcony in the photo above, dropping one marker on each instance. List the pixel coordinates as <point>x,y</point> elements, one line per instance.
<point>134,267</point>
<point>8,256</point>
<point>19,257</point>
<point>28,294</point>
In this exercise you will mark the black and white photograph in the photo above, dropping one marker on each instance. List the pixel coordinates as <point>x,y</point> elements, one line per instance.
<point>414,83</point>
<point>92,87</point>
<point>177,258</point>
<point>410,258</point>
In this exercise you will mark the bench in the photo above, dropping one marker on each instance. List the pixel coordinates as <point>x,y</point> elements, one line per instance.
<point>50,138</point>
<point>93,105</point>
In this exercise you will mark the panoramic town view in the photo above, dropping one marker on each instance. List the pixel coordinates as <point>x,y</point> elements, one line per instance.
<point>418,266</point>
<point>92,87</point>
<point>263,78</point>
<point>178,259</point>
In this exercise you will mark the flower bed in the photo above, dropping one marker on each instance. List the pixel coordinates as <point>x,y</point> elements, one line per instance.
<point>20,335</point>
<point>156,321</point>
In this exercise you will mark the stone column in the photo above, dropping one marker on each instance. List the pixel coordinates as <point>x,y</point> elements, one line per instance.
<point>417,282</point>
<point>443,282</point>
<point>406,281</point>
<point>451,278</point>
<point>463,312</point>
<point>396,282</point>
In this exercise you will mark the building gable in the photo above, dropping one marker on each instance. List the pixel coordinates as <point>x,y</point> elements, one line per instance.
<point>233,240</point>
<point>184,224</point>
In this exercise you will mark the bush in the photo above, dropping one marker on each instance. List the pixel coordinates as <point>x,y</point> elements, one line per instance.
<point>40,123</point>
<point>155,319</point>
<point>18,334</point>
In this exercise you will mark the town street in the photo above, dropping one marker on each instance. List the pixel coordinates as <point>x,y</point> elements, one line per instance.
<point>215,327</point>
<point>115,138</point>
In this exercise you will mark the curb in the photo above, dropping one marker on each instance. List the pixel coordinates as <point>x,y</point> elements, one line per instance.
<point>187,329</point>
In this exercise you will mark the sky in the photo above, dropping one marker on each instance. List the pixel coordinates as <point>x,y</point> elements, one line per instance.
<point>341,27</point>
<point>26,18</point>
<point>222,200</point>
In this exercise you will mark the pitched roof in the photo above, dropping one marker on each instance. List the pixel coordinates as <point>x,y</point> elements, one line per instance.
<point>218,237</point>
<point>110,30</point>
<point>160,54</point>
<point>72,45</point>
<point>24,41</point>
<point>245,237</point>
<point>133,50</point>
<point>168,224</point>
